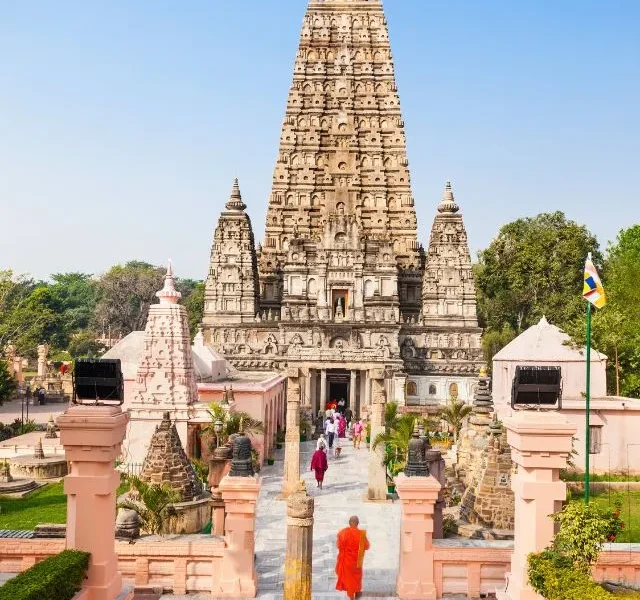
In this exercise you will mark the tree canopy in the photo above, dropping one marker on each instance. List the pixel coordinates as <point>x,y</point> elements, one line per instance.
<point>534,267</point>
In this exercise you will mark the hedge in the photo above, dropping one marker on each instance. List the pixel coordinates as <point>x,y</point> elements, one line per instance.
<point>554,578</point>
<point>55,578</point>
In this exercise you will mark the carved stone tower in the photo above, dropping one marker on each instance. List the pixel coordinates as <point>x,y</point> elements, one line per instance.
<point>232,285</point>
<point>448,292</point>
<point>341,300</point>
<point>166,379</point>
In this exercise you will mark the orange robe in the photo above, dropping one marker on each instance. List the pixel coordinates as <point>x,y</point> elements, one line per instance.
<point>352,544</point>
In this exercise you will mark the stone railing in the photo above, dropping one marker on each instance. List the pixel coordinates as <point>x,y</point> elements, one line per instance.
<point>179,563</point>
<point>470,567</point>
<point>190,563</point>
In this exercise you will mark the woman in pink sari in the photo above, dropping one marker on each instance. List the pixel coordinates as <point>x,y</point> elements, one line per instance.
<point>342,426</point>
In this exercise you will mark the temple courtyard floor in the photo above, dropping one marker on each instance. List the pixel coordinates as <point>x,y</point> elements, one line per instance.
<point>344,492</point>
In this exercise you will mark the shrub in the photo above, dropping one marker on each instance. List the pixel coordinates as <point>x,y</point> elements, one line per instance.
<point>583,531</point>
<point>553,576</point>
<point>55,578</point>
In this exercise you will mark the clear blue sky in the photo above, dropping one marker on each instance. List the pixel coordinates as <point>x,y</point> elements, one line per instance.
<point>123,124</point>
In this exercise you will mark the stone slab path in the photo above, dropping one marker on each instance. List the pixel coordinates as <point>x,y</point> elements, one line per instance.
<point>343,496</point>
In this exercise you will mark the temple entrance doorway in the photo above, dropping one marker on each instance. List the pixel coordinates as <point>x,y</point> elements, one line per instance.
<point>338,386</point>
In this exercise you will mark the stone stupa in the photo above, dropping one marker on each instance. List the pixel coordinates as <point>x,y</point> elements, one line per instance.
<point>167,462</point>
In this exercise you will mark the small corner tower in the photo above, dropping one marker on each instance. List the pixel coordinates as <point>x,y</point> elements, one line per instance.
<point>231,294</point>
<point>448,291</point>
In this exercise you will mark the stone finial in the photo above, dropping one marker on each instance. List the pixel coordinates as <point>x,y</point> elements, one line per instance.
<point>168,294</point>
<point>416,464</point>
<point>241,462</point>
<point>38,452</point>
<point>51,429</point>
<point>448,203</point>
<point>235,201</point>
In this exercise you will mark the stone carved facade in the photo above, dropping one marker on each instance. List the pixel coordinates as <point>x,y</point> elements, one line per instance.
<point>343,282</point>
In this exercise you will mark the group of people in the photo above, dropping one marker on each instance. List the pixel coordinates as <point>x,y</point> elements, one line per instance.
<point>338,424</point>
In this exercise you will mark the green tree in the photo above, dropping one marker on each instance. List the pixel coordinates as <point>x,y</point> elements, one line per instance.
<point>73,297</point>
<point>494,340</point>
<point>534,267</point>
<point>454,414</point>
<point>194,301</point>
<point>26,316</point>
<point>84,343</point>
<point>125,294</point>
<point>8,384</point>
<point>616,327</point>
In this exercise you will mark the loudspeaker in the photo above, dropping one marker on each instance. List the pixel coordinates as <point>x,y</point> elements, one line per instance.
<point>98,381</point>
<point>537,387</point>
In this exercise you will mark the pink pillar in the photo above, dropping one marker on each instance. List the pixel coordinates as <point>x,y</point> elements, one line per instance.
<point>238,577</point>
<point>418,496</point>
<point>92,439</point>
<point>540,446</point>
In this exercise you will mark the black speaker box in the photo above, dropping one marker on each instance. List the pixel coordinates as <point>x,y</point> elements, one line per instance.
<point>98,380</point>
<point>537,387</point>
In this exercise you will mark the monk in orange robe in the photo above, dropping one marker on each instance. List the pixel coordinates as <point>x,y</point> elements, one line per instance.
<point>352,544</point>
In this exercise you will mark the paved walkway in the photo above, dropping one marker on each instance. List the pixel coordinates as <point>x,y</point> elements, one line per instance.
<point>9,411</point>
<point>343,496</point>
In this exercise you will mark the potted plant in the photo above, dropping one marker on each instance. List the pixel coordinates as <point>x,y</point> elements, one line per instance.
<point>279,439</point>
<point>270,460</point>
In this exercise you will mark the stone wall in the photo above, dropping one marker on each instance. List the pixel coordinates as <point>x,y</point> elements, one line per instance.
<point>191,563</point>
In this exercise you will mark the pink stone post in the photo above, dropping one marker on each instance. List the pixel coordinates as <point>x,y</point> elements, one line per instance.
<point>418,496</point>
<point>92,437</point>
<point>540,446</point>
<point>238,574</point>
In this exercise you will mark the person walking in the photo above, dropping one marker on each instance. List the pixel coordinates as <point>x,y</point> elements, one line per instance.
<point>352,544</point>
<point>319,465</point>
<point>321,444</point>
<point>357,433</point>
<point>330,431</point>
<point>341,425</point>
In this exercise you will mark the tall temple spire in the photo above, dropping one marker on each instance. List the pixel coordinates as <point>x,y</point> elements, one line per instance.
<point>168,294</point>
<point>235,201</point>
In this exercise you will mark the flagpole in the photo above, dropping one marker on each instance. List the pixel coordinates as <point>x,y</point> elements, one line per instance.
<point>587,407</point>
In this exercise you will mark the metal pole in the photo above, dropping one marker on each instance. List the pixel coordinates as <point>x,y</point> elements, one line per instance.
<point>587,407</point>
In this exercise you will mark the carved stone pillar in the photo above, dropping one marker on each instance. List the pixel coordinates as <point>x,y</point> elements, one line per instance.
<point>540,446</point>
<point>292,437</point>
<point>377,487</point>
<point>299,553</point>
<point>238,577</point>
<point>352,392</point>
<point>418,496</point>
<point>323,388</point>
<point>92,438</point>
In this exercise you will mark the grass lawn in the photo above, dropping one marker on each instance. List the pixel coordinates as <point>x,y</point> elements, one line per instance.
<point>46,505</point>
<point>630,513</point>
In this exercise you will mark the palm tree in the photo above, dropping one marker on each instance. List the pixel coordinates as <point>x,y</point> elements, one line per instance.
<point>155,504</point>
<point>396,442</point>
<point>454,414</point>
